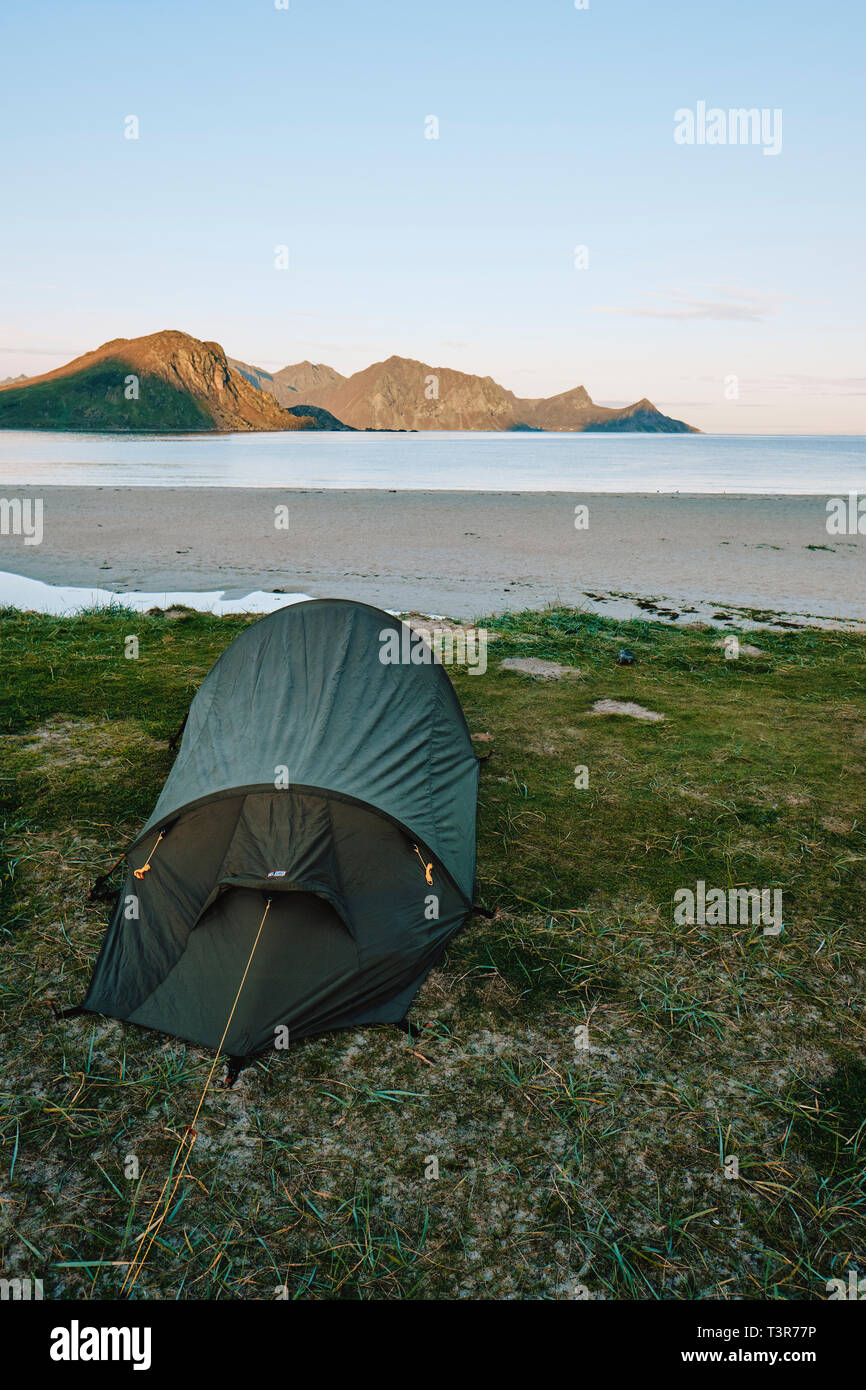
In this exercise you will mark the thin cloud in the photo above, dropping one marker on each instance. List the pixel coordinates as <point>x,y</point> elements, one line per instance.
<point>804,384</point>
<point>723,303</point>
<point>822,385</point>
<point>46,351</point>
<point>22,285</point>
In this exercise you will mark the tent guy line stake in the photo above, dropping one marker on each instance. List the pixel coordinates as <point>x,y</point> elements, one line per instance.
<point>103,878</point>
<point>111,868</point>
<point>189,1137</point>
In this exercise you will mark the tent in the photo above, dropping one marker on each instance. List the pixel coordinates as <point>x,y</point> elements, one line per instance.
<point>319,773</point>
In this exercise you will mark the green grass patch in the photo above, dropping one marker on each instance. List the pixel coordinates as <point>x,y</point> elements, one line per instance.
<point>586,1067</point>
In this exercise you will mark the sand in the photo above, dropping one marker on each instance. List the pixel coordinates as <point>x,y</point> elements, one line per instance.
<point>464,555</point>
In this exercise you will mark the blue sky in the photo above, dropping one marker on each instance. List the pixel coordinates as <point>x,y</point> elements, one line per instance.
<point>723,283</point>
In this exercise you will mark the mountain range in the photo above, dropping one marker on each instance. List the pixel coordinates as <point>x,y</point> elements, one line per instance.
<point>402,394</point>
<point>171,382</point>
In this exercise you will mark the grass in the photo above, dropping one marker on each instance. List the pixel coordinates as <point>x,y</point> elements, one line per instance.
<point>570,1163</point>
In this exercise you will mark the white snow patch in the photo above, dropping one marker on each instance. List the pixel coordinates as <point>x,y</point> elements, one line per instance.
<point>59,600</point>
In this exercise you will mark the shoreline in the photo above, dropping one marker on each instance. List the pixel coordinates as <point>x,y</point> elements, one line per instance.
<point>464,554</point>
<point>738,494</point>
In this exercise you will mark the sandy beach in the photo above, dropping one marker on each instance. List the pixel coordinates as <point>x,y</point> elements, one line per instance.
<point>459,554</point>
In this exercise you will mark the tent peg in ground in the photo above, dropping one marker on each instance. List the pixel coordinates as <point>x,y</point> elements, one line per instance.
<point>234,1067</point>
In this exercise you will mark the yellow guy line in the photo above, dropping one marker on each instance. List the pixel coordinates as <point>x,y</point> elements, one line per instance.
<point>189,1135</point>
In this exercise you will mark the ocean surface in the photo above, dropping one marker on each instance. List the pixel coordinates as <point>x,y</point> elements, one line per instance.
<point>477,462</point>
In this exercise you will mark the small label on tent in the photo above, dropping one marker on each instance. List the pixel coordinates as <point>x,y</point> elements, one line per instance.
<point>277,873</point>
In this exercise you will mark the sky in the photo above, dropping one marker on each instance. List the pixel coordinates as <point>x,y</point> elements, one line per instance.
<point>723,282</point>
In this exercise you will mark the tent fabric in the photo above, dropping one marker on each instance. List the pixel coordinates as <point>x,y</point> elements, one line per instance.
<point>313,774</point>
<point>304,689</point>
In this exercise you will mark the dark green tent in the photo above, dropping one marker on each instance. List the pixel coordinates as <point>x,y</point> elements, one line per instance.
<point>341,786</point>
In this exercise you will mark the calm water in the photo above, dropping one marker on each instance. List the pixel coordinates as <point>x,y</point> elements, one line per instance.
<point>442,460</point>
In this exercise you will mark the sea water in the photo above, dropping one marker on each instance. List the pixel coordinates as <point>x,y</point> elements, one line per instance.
<point>441,460</point>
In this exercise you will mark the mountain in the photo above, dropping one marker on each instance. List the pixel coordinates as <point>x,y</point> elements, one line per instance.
<point>322,419</point>
<point>166,382</point>
<point>574,410</point>
<point>404,394</point>
<point>307,377</point>
<point>642,418</point>
<point>291,385</point>
<point>400,394</point>
<point>258,377</point>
